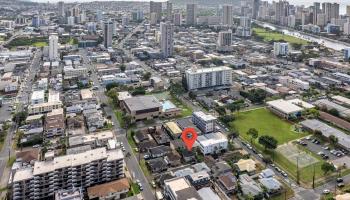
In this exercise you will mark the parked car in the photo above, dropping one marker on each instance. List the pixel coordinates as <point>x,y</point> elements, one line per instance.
<point>326,191</point>
<point>325,148</point>
<point>340,180</point>
<point>340,184</point>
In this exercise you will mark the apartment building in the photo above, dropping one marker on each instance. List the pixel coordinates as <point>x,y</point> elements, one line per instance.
<point>52,103</point>
<point>84,169</point>
<point>38,97</point>
<point>212,143</point>
<point>280,48</point>
<point>72,72</point>
<point>54,123</point>
<point>205,122</point>
<point>294,83</point>
<point>208,77</point>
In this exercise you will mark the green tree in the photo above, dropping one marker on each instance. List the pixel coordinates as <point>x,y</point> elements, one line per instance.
<point>268,142</point>
<point>146,76</point>
<point>20,117</point>
<point>176,89</point>
<point>334,112</point>
<point>139,91</point>
<point>317,133</point>
<point>122,68</point>
<point>192,95</point>
<point>109,86</point>
<point>327,167</point>
<point>333,140</point>
<point>127,121</point>
<point>221,110</point>
<point>256,96</point>
<point>253,133</point>
<point>226,118</point>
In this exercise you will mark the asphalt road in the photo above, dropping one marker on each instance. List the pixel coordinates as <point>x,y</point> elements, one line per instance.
<point>331,185</point>
<point>131,161</point>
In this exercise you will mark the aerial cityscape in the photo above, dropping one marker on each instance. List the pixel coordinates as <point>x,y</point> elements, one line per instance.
<point>175,100</point>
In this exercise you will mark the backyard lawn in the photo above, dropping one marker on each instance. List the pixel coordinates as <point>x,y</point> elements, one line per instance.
<point>40,44</point>
<point>266,123</point>
<point>271,35</point>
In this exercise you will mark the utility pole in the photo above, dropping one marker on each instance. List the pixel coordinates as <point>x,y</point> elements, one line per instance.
<point>313,178</point>
<point>298,171</point>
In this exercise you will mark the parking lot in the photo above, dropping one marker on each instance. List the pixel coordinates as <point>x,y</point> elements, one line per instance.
<point>322,150</point>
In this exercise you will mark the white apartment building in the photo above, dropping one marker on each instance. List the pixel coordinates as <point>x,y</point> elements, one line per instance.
<point>53,47</point>
<point>191,14</point>
<point>167,39</point>
<point>227,15</point>
<point>67,172</point>
<point>205,122</point>
<point>294,83</point>
<point>244,28</point>
<point>208,77</point>
<point>72,72</point>
<point>52,103</point>
<point>38,97</point>
<point>280,48</point>
<point>70,21</point>
<point>212,143</point>
<point>346,28</point>
<point>224,41</point>
<point>291,21</point>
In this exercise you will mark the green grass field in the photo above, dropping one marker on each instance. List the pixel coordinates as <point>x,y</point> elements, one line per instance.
<point>270,35</point>
<point>40,44</point>
<point>269,124</point>
<point>266,123</point>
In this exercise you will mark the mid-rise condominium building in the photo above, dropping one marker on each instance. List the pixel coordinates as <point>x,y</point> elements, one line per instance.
<point>280,48</point>
<point>205,122</point>
<point>67,172</point>
<point>208,77</point>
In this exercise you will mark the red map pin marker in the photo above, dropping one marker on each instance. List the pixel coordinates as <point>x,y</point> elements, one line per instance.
<point>189,136</point>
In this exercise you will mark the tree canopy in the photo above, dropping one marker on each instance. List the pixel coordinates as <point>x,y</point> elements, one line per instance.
<point>327,167</point>
<point>253,134</point>
<point>268,142</point>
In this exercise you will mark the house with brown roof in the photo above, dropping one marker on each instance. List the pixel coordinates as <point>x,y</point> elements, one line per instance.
<point>112,190</point>
<point>228,182</point>
<point>29,155</point>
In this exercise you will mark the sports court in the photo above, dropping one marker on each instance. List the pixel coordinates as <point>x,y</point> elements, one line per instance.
<point>294,155</point>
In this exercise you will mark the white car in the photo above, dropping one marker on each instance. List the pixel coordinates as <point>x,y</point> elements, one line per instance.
<point>326,191</point>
